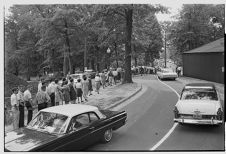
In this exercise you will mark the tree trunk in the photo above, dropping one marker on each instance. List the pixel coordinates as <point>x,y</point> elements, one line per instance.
<point>67,61</point>
<point>129,25</point>
<point>116,54</point>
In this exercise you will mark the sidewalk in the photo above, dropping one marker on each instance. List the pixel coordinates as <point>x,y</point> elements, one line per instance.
<point>219,86</point>
<point>108,98</point>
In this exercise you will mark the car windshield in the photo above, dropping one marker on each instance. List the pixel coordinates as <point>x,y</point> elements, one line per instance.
<point>200,94</point>
<point>52,123</point>
<point>75,76</point>
<point>166,70</point>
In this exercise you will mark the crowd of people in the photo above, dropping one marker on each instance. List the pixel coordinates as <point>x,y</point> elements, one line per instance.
<point>56,92</point>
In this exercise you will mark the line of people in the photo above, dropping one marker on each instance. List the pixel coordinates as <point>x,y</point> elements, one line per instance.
<point>57,92</point>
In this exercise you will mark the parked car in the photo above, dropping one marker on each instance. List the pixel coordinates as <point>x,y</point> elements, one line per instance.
<point>69,127</point>
<point>91,73</point>
<point>199,104</point>
<point>77,76</point>
<point>166,73</point>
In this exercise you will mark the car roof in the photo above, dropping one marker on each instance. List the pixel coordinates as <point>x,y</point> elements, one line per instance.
<point>70,109</point>
<point>200,85</point>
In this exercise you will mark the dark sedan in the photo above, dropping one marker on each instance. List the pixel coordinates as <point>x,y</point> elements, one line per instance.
<point>70,127</point>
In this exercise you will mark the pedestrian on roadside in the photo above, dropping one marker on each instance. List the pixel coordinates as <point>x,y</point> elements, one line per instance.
<point>66,92</point>
<point>51,91</point>
<point>73,94</point>
<point>40,84</point>
<point>103,79</point>
<point>42,98</point>
<point>14,108</point>
<point>110,77</point>
<point>20,97</point>
<point>97,83</point>
<point>115,74</point>
<point>79,90</point>
<point>28,102</point>
<point>90,85</point>
<point>58,94</point>
<point>85,88</point>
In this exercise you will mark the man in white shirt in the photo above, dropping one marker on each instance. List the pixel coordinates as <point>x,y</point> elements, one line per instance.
<point>15,110</point>
<point>28,102</point>
<point>40,84</point>
<point>51,91</point>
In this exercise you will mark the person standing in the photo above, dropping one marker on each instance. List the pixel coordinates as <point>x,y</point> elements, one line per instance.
<point>66,92</point>
<point>42,98</point>
<point>73,94</point>
<point>40,84</point>
<point>28,102</point>
<point>14,108</point>
<point>79,90</point>
<point>110,76</point>
<point>103,79</point>
<point>58,94</point>
<point>90,85</point>
<point>85,88</point>
<point>20,97</point>
<point>51,91</point>
<point>97,83</point>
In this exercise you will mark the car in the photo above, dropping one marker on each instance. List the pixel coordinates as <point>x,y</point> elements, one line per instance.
<point>166,73</point>
<point>70,127</point>
<point>77,76</point>
<point>90,73</point>
<point>199,103</point>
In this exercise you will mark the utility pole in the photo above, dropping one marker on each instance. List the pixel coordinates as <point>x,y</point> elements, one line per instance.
<point>165,47</point>
<point>85,55</point>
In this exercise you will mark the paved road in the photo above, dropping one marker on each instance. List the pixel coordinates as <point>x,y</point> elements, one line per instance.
<point>150,117</point>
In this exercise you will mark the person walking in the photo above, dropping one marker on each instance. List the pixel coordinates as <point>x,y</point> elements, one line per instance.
<point>85,88</point>
<point>28,102</point>
<point>58,94</point>
<point>79,90</point>
<point>103,79</point>
<point>73,94</point>
<point>115,75</point>
<point>42,98</point>
<point>20,97</point>
<point>66,92</point>
<point>110,77</point>
<point>14,108</point>
<point>97,83</point>
<point>90,85</point>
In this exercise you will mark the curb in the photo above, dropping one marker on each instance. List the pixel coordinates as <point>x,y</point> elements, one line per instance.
<point>125,99</point>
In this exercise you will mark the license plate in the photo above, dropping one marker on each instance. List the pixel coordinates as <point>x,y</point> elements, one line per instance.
<point>197,116</point>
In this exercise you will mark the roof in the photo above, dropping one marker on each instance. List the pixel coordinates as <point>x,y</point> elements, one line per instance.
<point>215,46</point>
<point>199,85</point>
<point>70,109</point>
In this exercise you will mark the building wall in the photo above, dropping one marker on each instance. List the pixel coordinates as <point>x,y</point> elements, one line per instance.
<point>206,66</point>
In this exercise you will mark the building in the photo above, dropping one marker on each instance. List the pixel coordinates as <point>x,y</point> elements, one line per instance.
<point>205,62</point>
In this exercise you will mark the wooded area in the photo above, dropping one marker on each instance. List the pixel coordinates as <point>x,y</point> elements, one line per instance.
<point>70,37</point>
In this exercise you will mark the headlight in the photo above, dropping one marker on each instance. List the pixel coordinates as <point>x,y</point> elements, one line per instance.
<point>219,114</point>
<point>176,112</point>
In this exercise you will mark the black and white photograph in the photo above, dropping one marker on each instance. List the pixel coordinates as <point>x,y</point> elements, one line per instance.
<point>114,76</point>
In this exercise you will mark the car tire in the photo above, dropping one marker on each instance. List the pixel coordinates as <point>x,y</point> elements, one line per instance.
<point>107,136</point>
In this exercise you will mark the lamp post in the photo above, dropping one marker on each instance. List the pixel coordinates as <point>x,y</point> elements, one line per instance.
<point>108,52</point>
<point>165,46</point>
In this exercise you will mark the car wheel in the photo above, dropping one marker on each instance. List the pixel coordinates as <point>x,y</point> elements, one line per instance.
<point>107,136</point>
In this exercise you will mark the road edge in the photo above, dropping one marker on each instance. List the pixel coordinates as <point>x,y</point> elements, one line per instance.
<point>125,99</point>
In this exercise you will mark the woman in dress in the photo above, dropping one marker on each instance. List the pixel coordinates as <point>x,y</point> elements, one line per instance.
<point>97,82</point>
<point>90,85</point>
<point>66,92</point>
<point>85,88</point>
<point>58,94</point>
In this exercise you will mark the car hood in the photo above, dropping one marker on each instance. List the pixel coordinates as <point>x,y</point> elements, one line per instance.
<point>27,140</point>
<point>191,106</point>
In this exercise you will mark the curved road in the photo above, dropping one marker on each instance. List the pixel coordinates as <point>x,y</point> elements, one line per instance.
<point>150,117</point>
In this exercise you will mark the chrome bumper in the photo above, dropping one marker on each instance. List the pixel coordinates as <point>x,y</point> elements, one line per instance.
<point>199,121</point>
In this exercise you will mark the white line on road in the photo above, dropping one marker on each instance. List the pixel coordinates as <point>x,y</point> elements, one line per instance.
<point>172,129</point>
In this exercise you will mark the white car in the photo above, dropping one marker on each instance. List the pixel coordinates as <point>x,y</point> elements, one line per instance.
<point>77,76</point>
<point>199,104</point>
<point>166,73</point>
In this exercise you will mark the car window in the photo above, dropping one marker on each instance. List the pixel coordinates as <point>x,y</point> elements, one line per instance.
<point>49,122</point>
<point>93,117</point>
<point>200,94</point>
<point>78,122</point>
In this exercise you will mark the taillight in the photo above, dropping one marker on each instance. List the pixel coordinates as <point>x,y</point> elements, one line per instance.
<point>219,114</point>
<point>176,112</point>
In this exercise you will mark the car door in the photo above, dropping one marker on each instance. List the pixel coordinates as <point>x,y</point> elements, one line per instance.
<point>77,137</point>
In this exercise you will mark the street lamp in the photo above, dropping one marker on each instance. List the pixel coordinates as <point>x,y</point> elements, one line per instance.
<point>108,52</point>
